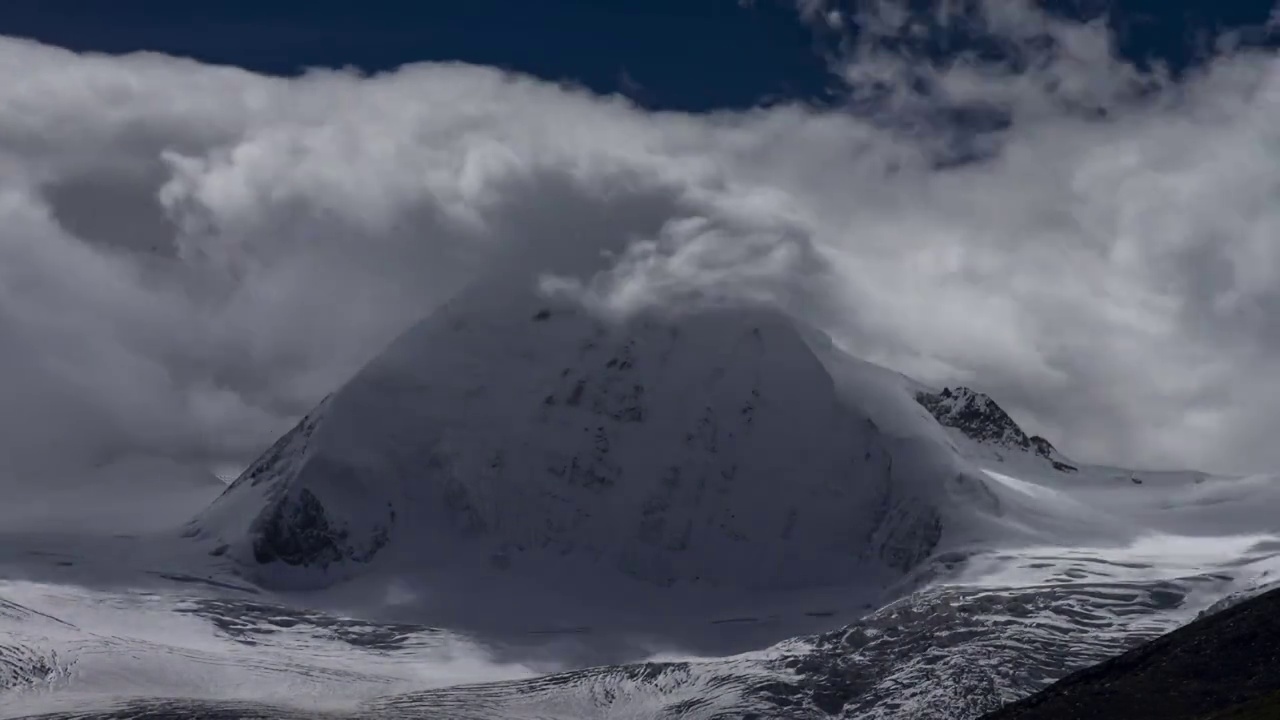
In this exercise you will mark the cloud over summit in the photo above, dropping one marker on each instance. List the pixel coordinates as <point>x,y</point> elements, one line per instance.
<point>190,256</point>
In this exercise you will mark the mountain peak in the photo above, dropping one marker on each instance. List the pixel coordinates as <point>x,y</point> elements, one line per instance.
<point>706,446</point>
<point>978,417</point>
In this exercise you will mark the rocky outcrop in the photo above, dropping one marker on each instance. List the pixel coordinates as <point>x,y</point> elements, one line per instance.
<point>297,531</point>
<point>979,418</point>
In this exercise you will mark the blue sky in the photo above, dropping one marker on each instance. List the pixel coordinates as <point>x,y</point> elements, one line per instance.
<point>680,54</point>
<point>699,54</point>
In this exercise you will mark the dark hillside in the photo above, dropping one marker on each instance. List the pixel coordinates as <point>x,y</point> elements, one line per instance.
<point>1222,667</point>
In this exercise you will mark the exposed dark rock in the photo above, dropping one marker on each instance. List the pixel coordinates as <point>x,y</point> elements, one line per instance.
<point>979,417</point>
<point>1042,447</point>
<point>296,530</point>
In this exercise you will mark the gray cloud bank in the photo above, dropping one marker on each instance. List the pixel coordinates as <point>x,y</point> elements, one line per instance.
<point>191,256</point>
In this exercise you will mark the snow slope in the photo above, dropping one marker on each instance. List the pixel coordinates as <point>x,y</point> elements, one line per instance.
<point>520,510</point>
<point>985,629</point>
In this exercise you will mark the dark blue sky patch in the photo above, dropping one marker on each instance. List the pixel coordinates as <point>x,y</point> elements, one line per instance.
<point>689,54</point>
<point>679,54</point>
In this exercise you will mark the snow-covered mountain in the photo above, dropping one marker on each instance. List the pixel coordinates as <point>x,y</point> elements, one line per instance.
<point>522,510</point>
<point>714,447</point>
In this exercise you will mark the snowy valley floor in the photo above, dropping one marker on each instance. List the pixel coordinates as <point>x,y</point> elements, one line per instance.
<point>96,623</point>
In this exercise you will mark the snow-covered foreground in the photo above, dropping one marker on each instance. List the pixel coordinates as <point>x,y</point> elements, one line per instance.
<point>91,621</point>
<point>519,511</point>
<point>975,632</point>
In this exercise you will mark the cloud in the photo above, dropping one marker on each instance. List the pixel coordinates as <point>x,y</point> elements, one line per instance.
<point>190,256</point>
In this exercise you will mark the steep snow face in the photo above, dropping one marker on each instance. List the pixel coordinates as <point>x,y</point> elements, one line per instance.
<point>711,447</point>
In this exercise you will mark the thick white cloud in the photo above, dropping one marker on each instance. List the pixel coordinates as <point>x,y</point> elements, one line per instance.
<point>190,256</point>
